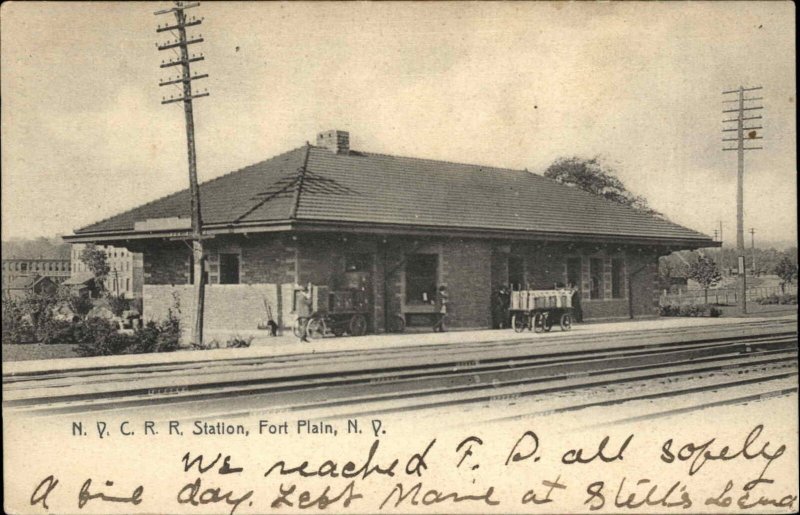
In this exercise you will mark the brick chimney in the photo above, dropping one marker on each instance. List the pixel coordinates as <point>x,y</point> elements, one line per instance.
<point>335,141</point>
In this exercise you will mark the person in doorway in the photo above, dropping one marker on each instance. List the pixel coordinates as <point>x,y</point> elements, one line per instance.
<point>576,302</point>
<point>441,309</point>
<point>304,306</point>
<point>497,307</point>
<point>505,304</point>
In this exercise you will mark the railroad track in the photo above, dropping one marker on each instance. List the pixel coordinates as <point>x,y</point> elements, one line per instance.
<point>436,380</point>
<point>503,392</point>
<point>782,371</point>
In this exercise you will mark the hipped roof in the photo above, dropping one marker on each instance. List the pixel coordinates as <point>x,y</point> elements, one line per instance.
<point>315,185</point>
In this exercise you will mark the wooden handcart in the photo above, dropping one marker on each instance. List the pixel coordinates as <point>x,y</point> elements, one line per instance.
<point>539,310</point>
<point>336,313</point>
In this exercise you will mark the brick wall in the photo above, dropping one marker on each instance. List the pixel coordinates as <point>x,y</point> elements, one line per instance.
<point>467,271</point>
<point>499,265</point>
<point>604,309</point>
<point>469,268</point>
<point>641,269</point>
<point>262,259</point>
<point>167,263</point>
<point>267,259</point>
<point>545,265</point>
<point>644,284</point>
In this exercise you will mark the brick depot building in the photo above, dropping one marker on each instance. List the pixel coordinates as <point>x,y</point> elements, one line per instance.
<point>398,227</point>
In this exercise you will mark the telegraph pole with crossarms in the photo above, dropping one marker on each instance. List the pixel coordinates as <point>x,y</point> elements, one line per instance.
<point>181,45</point>
<point>747,125</point>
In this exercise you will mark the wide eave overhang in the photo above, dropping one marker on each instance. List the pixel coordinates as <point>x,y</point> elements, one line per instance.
<point>306,226</point>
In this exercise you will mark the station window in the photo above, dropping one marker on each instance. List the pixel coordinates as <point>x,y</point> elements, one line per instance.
<point>596,278</point>
<point>357,262</point>
<point>421,277</point>
<point>617,278</point>
<point>229,268</point>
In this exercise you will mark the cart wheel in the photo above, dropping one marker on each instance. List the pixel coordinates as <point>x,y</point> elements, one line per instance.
<point>299,324</point>
<point>566,322</point>
<point>547,322</point>
<point>397,324</point>
<point>358,325</point>
<point>518,322</point>
<point>315,328</point>
<point>538,322</point>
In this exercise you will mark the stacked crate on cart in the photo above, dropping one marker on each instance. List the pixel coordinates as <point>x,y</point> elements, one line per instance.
<point>526,300</point>
<point>541,309</point>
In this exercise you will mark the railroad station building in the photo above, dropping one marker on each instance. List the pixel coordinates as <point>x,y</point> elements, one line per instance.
<point>396,227</point>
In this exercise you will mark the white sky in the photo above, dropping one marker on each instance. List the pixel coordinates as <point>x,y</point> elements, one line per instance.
<point>515,85</point>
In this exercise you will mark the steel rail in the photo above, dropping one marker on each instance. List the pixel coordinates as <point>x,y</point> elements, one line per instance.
<point>656,395</point>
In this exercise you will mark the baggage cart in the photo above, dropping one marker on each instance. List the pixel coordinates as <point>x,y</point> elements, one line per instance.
<point>539,310</point>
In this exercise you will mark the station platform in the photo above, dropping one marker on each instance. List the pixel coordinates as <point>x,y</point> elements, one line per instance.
<point>287,345</point>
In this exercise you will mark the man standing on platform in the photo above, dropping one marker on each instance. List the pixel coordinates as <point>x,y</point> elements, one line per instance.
<point>441,309</point>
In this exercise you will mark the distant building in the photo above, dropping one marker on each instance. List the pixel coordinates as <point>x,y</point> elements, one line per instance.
<point>126,274</point>
<point>57,270</point>
<point>23,285</point>
<point>82,283</point>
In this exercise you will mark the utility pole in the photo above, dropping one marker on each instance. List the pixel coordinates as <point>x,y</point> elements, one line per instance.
<point>721,250</point>
<point>742,115</point>
<point>753,248</point>
<point>184,60</point>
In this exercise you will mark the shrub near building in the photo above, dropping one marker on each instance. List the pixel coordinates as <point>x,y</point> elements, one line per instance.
<point>33,319</point>
<point>691,310</point>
